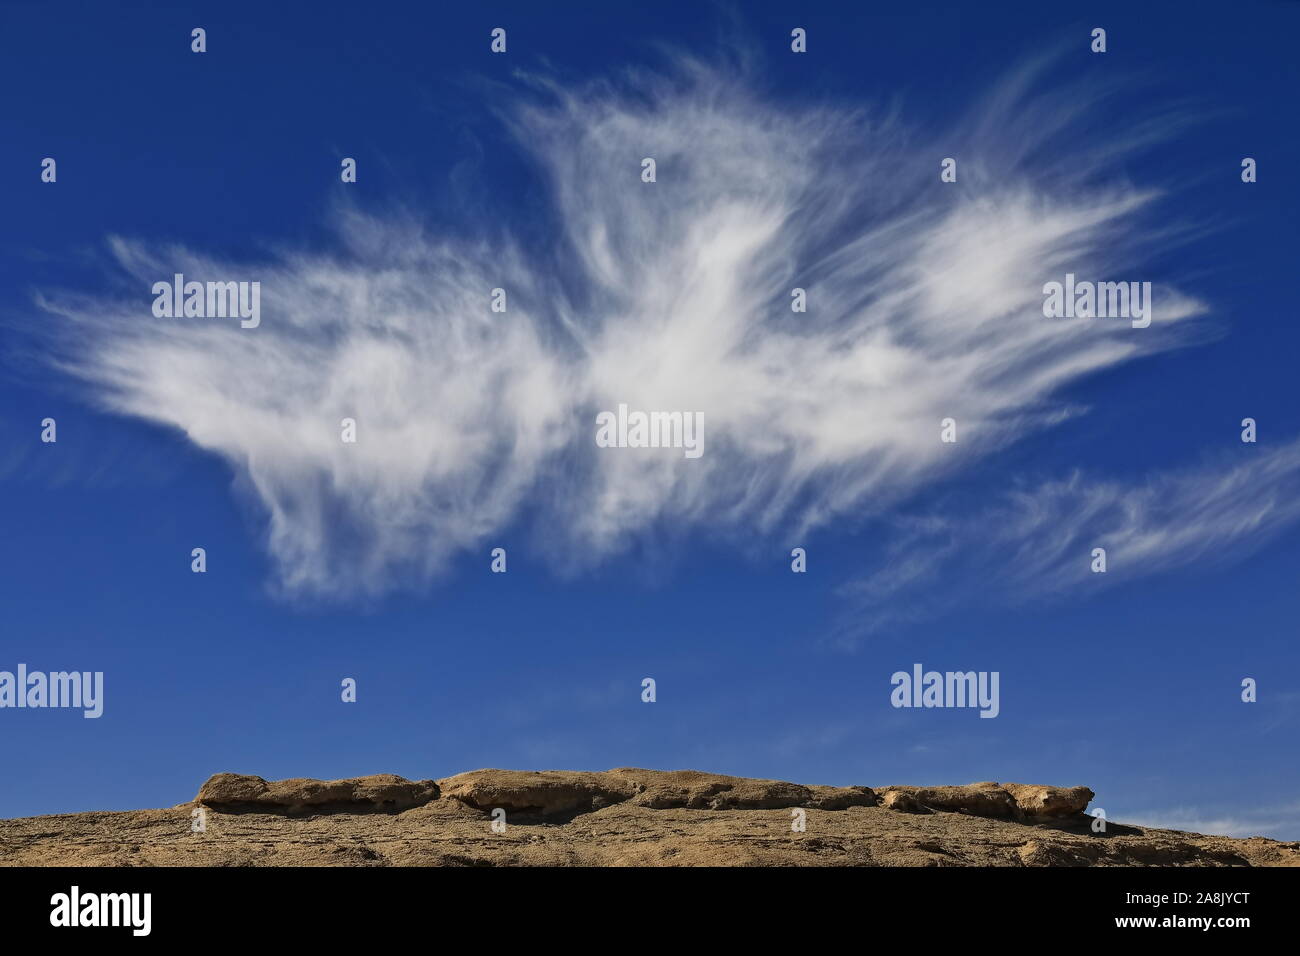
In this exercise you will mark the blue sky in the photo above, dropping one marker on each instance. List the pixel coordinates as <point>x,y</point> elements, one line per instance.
<point>775,170</point>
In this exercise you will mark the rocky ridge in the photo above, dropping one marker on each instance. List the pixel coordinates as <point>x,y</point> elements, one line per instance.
<point>625,816</point>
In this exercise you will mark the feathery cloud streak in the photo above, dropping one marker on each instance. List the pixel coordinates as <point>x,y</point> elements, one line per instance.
<point>1036,543</point>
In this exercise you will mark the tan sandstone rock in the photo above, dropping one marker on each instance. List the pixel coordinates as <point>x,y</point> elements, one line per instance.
<point>976,799</point>
<point>623,817</point>
<point>1038,801</point>
<point>555,792</point>
<point>537,791</point>
<point>899,800</point>
<point>1003,801</point>
<point>695,790</point>
<point>378,793</point>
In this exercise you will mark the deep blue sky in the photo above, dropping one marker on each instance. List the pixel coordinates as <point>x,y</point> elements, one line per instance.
<point>1133,692</point>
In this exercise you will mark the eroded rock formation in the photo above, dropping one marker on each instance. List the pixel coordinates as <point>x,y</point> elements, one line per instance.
<point>621,817</point>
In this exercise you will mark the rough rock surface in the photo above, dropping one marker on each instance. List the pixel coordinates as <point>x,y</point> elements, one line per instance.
<point>1011,801</point>
<point>622,817</point>
<point>378,793</point>
<point>1038,801</point>
<point>894,799</point>
<point>557,791</point>
<point>541,791</point>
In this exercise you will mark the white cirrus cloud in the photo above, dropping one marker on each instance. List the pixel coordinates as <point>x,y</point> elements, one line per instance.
<point>1036,542</point>
<point>924,303</point>
<point>1280,822</point>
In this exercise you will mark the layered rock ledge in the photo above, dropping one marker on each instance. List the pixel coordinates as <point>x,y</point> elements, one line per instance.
<point>378,793</point>
<point>622,817</point>
<point>554,792</point>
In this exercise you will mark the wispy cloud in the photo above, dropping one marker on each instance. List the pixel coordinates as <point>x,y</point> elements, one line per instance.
<point>1040,539</point>
<point>924,303</point>
<point>1280,822</point>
